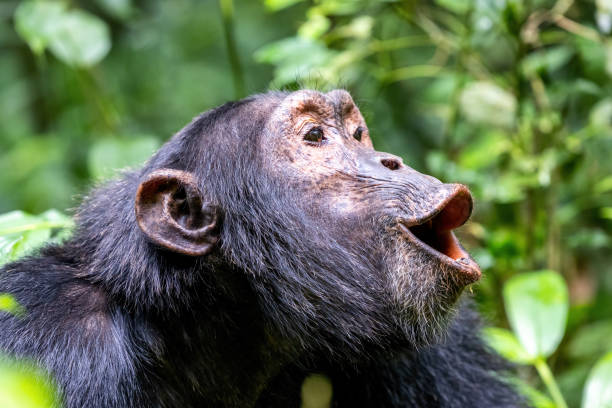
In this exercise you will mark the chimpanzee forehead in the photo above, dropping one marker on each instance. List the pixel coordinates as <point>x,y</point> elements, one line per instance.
<point>336,103</point>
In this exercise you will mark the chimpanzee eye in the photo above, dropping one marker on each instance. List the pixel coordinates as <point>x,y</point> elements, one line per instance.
<point>357,134</point>
<point>314,135</point>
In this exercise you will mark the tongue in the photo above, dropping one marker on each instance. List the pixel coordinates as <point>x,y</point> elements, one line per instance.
<point>449,246</point>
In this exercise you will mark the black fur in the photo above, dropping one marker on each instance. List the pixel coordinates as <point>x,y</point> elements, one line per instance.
<point>120,322</point>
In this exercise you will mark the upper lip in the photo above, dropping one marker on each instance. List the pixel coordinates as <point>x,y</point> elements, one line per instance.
<point>433,232</point>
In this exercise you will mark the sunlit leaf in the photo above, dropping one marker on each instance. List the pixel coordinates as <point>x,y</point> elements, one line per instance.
<point>80,39</point>
<point>603,15</point>
<point>24,386</point>
<point>11,221</point>
<point>604,185</point>
<point>488,104</point>
<point>54,216</point>
<point>74,36</point>
<point>506,344</point>
<point>275,5</point>
<point>9,304</point>
<point>37,21</point>
<point>601,113</point>
<point>341,7</point>
<point>598,388</point>
<point>457,6</point>
<point>118,8</point>
<point>360,27</point>
<point>606,212</point>
<point>8,248</point>
<point>536,305</point>
<point>20,232</point>
<point>32,240</point>
<point>316,25</point>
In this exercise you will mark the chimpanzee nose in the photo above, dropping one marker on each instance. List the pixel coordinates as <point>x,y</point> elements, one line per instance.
<point>391,162</point>
<point>379,164</point>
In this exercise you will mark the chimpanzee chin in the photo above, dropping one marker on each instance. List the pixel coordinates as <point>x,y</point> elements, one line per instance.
<point>264,242</point>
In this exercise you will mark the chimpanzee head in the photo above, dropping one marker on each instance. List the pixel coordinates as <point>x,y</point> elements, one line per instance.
<point>342,244</point>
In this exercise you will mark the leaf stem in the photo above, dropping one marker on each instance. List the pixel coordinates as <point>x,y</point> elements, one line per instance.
<point>549,380</point>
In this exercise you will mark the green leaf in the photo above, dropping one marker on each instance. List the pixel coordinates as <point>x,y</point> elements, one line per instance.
<point>604,185</point>
<point>31,240</point>
<point>590,341</point>
<point>36,22</point>
<point>547,61</point>
<point>487,104</point>
<point>601,113</point>
<point>341,7</point>
<point>80,39</point>
<point>603,15</point>
<point>456,6</point>
<point>316,25</point>
<point>8,248</point>
<point>485,150</point>
<point>54,216</point>
<point>606,212</point>
<point>536,398</point>
<point>360,27</point>
<point>598,388</point>
<point>295,58</point>
<point>10,305</point>
<point>14,222</point>
<point>506,344</point>
<point>24,386</point>
<point>537,305</point>
<point>21,232</point>
<point>121,9</point>
<point>275,5</point>
<point>75,36</point>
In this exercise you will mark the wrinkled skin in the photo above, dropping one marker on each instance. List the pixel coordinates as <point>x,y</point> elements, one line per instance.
<point>250,251</point>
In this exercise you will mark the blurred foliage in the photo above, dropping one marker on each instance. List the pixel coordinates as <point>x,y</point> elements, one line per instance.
<point>537,304</point>
<point>21,232</point>
<point>22,384</point>
<point>513,98</point>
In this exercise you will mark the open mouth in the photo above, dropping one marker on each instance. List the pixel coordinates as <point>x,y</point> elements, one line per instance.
<point>434,233</point>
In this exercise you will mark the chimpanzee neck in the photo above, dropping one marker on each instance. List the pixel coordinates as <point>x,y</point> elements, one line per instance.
<point>207,336</point>
<point>220,346</point>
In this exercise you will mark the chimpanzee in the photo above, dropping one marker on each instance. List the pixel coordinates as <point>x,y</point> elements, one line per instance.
<point>264,242</point>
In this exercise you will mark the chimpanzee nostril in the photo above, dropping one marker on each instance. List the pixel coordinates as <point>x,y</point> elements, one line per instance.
<point>391,164</point>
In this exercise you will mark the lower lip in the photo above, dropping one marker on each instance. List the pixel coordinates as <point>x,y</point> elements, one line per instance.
<point>466,266</point>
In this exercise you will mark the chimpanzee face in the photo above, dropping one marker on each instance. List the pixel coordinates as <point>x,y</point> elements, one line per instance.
<point>322,147</point>
<point>339,240</point>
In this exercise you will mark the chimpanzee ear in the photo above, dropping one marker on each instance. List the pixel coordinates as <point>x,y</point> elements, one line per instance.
<point>172,212</point>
